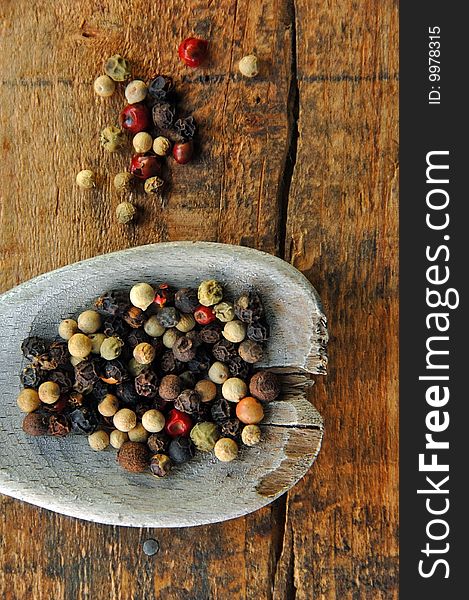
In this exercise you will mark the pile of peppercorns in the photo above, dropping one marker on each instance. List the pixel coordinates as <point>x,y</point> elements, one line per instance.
<point>155,373</point>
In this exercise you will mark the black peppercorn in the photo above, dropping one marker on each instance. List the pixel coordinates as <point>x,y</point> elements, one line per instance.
<point>56,355</point>
<point>248,307</point>
<point>188,402</point>
<point>86,375</point>
<point>224,350</point>
<point>201,362</point>
<point>59,425</point>
<point>168,316</point>
<point>163,115</point>
<point>112,303</point>
<point>238,367</point>
<point>211,334</point>
<point>258,332</point>
<point>158,442</point>
<point>115,326</point>
<point>32,376</point>
<point>186,300</point>
<point>183,349</point>
<point>188,380</point>
<point>33,347</point>
<point>186,128</point>
<point>84,420</point>
<point>161,88</point>
<point>181,449</point>
<point>136,337</point>
<point>114,371</point>
<point>160,465</point>
<point>62,378</point>
<point>146,384</point>
<point>100,389</point>
<point>127,393</point>
<point>230,428</point>
<point>222,411</point>
<point>133,316</point>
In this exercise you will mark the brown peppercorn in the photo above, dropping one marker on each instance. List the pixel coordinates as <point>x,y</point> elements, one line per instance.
<point>160,465</point>
<point>134,317</point>
<point>183,349</point>
<point>35,424</point>
<point>265,386</point>
<point>59,425</point>
<point>133,456</point>
<point>251,352</point>
<point>170,387</point>
<point>249,411</point>
<point>206,389</point>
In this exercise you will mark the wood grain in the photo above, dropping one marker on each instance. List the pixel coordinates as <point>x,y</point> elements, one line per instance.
<point>336,537</point>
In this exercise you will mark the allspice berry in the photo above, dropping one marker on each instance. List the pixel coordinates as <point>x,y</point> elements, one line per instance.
<point>111,348</point>
<point>89,321</point>
<point>251,352</point>
<point>108,406</point>
<point>234,331</point>
<point>234,389</point>
<point>161,146</point>
<point>204,436</point>
<point>125,212</point>
<point>99,440</point>
<point>251,435</point>
<point>104,86</point>
<point>206,389</point>
<point>123,181</point>
<point>133,456</point>
<point>142,295</point>
<point>49,392</point>
<point>35,424</point>
<point>153,327</point>
<point>218,372</point>
<point>170,387</point>
<point>210,292</point>
<point>153,420</point>
<point>124,419</point>
<point>138,434</point>
<point>28,400</point>
<point>86,179</point>
<point>142,142</point>
<point>248,66</point>
<point>249,411</point>
<point>80,345</point>
<point>265,385</point>
<point>226,449</point>
<point>112,138</point>
<point>117,438</point>
<point>144,353</point>
<point>67,328</point>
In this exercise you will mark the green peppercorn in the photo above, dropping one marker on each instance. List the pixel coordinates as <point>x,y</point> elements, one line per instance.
<point>125,212</point>
<point>111,348</point>
<point>123,181</point>
<point>204,436</point>
<point>117,68</point>
<point>154,185</point>
<point>112,138</point>
<point>210,292</point>
<point>86,179</point>
<point>224,311</point>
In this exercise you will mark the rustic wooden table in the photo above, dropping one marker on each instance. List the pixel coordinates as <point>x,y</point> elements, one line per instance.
<point>300,162</point>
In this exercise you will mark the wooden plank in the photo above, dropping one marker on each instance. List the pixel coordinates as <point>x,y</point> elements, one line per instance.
<point>340,537</point>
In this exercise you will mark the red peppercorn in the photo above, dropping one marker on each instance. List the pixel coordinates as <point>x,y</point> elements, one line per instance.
<point>135,118</point>
<point>178,423</point>
<point>193,51</point>
<point>162,295</point>
<point>204,315</point>
<point>145,166</point>
<point>182,153</point>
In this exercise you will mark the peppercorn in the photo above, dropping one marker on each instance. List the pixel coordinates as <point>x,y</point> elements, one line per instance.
<point>234,389</point>
<point>160,88</point>
<point>158,442</point>
<point>35,424</point>
<point>161,146</point>
<point>59,425</point>
<point>186,300</point>
<point>239,368</point>
<point>117,68</point>
<point>163,115</point>
<point>210,292</point>
<point>86,179</point>
<point>142,295</point>
<point>186,323</point>
<point>32,347</point>
<point>224,350</point>
<point>114,371</point>
<point>178,423</point>
<point>224,311</point>
<point>204,315</point>
<point>251,352</point>
<point>32,376</point>
<point>154,185</point>
<point>135,118</point>
<point>79,345</point>
<point>201,362</point>
<point>28,400</point>
<point>222,410</point>
<point>104,86</point>
<point>153,421</point>
<point>153,327</point>
<point>123,181</point>
<point>99,440</point>
<point>133,456</point>
<point>164,295</point>
<point>183,349</point>
<point>206,389</point>
<point>49,392</point>
<point>62,378</point>
<point>181,449</point>
<point>230,428</point>
<point>168,316</point>
<point>249,411</point>
<point>115,327</point>
<point>226,449</point>
<point>186,128</point>
<point>193,51</point>
<point>111,348</point>
<point>210,334</point>
<point>234,331</point>
<point>134,317</point>
<point>108,406</point>
<point>112,138</point>
<point>124,419</point>
<point>86,375</point>
<point>146,384</point>
<point>89,321</point>
<point>136,337</point>
<point>258,332</point>
<point>248,66</point>
<point>138,434</point>
<point>56,356</point>
<point>136,91</point>
<point>188,380</point>
<point>160,465</point>
<point>135,368</point>
<point>144,353</point>
<point>142,142</point>
<point>183,152</point>
<point>96,340</point>
<point>117,438</point>
<point>145,166</point>
<point>188,402</point>
<point>169,364</point>
<point>251,435</point>
<point>218,372</point>
<point>67,328</point>
<point>112,302</point>
<point>204,436</point>
<point>170,387</point>
<point>74,361</point>
<point>84,420</point>
<point>100,389</point>
<point>76,398</point>
<point>265,386</point>
<point>248,307</point>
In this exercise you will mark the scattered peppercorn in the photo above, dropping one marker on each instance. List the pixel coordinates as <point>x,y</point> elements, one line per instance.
<point>86,179</point>
<point>117,438</point>
<point>183,152</point>
<point>218,372</point>
<point>251,435</point>
<point>251,352</point>
<point>104,86</point>
<point>226,449</point>
<point>178,423</point>
<point>154,185</point>
<point>193,51</point>
<point>135,118</point>
<point>234,331</point>
<point>35,424</point>
<point>248,66</point>
<point>117,68</point>
<point>123,181</point>
<point>161,146</point>
<point>142,142</point>
<point>204,315</point>
<point>28,400</point>
<point>204,436</point>
<point>112,138</point>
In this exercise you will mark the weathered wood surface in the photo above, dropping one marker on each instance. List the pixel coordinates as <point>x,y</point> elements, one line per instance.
<point>335,535</point>
<point>203,490</point>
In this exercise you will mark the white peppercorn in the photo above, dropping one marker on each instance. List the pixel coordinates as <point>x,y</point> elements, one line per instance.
<point>117,438</point>
<point>138,434</point>
<point>67,328</point>
<point>142,295</point>
<point>234,331</point>
<point>79,345</point>
<point>124,419</point>
<point>99,440</point>
<point>170,336</point>
<point>234,389</point>
<point>89,321</point>
<point>49,392</point>
<point>161,146</point>
<point>86,179</point>
<point>251,435</point>
<point>125,212</point>
<point>218,372</point>
<point>226,449</point>
<point>97,340</point>
<point>248,66</point>
<point>108,406</point>
<point>104,86</point>
<point>144,353</point>
<point>136,91</point>
<point>28,400</point>
<point>142,142</point>
<point>153,420</point>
